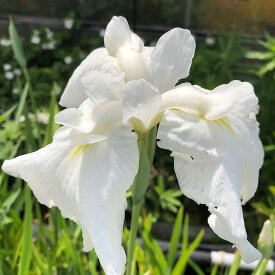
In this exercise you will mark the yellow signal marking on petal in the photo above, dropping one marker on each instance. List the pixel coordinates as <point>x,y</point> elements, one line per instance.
<point>79,149</point>
<point>223,121</point>
<point>220,122</point>
<point>76,150</point>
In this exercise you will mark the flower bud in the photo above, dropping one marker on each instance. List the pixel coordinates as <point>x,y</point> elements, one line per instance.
<point>265,241</point>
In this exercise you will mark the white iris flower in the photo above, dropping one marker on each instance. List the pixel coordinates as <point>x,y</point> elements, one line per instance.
<point>94,156</point>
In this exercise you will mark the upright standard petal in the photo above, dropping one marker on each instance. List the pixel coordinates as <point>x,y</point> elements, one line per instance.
<point>217,161</point>
<point>127,48</point>
<point>141,105</point>
<point>124,52</point>
<point>117,35</point>
<point>74,94</point>
<point>171,58</point>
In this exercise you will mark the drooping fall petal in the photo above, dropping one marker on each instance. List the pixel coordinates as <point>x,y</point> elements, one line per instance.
<point>217,161</point>
<point>86,175</point>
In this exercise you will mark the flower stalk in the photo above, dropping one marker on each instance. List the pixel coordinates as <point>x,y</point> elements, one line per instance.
<point>147,145</point>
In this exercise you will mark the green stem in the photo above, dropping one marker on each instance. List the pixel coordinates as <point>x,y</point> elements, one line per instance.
<point>133,234</point>
<point>147,145</point>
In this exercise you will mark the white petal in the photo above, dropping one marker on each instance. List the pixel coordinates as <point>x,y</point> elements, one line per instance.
<point>141,104</point>
<point>171,58</point>
<point>133,63</point>
<point>80,119</point>
<point>198,101</point>
<point>88,184</point>
<point>68,137</point>
<point>92,119</point>
<point>102,86</point>
<point>71,117</point>
<point>216,162</point>
<point>53,175</point>
<point>107,117</point>
<point>117,35</point>
<point>108,170</point>
<point>136,42</point>
<point>219,226</point>
<point>74,94</point>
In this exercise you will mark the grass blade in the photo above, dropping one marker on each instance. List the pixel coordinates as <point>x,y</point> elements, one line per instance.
<point>185,238</point>
<point>51,125</point>
<point>175,238</point>
<point>21,105</point>
<point>195,267</point>
<point>26,249</point>
<point>4,116</point>
<point>235,265</point>
<point>214,270</point>
<point>181,264</point>
<point>17,46</point>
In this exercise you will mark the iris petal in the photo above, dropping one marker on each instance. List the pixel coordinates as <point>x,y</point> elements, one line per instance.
<point>217,162</point>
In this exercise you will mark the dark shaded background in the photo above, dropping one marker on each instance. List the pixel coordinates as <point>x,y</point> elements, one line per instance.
<point>208,15</point>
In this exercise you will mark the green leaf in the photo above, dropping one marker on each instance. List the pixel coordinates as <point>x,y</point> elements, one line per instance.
<point>156,255</point>
<point>272,189</point>
<point>261,268</point>
<point>17,45</point>
<point>262,208</point>
<point>195,267</point>
<point>29,132</point>
<point>40,261</point>
<point>267,68</point>
<point>260,55</point>
<point>185,233</point>
<point>26,249</point>
<point>196,242</point>
<point>93,262</point>
<point>4,116</point>
<point>235,265</point>
<point>183,260</point>
<point>175,239</point>
<point>51,123</point>
<point>8,203</point>
<point>21,105</point>
<point>269,148</point>
<point>269,38</point>
<point>214,270</point>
